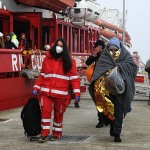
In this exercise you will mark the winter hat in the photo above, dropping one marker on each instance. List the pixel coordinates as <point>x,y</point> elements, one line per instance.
<point>113,47</point>
<point>1,34</point>
<point>47,47</point>
<point>115,42</point>
<point>99,42</point>
<point>12,33</point>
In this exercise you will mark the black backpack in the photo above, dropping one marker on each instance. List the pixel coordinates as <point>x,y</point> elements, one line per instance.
<point>31,118</point>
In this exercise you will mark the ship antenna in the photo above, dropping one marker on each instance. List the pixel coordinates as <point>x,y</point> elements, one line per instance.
<point>123,35</point>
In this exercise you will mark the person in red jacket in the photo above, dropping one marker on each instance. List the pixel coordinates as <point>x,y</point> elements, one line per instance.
<point>57,73</point>
<point>23,43</point>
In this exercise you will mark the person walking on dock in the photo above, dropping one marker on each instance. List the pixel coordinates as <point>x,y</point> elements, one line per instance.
<point>114,106</point>
<point>92,59</point>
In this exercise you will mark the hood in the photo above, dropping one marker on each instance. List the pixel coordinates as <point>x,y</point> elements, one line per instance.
<point>14,36</point>
<point>114,41</point>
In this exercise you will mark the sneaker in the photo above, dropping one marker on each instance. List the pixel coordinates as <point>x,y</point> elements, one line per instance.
<point>76,105</point>
<point>99,125</point>
<point>117,138</point>
<point>53,138</point>
<point>111,130</point>
<point>42,139</point>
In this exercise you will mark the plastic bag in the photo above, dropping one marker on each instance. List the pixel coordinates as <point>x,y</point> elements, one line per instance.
<point>89,72</point>
<point>114,82</point>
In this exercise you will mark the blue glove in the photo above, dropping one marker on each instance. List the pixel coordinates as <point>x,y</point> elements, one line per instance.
<point>34,92</point>
<point>77,98</point>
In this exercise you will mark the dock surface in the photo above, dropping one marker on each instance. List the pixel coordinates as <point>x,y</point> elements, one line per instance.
<point>79,131</point>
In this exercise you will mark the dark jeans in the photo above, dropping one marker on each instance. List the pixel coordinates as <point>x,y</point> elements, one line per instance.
<point>118,114</point>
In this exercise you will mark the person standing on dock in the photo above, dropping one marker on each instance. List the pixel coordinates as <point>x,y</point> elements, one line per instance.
<point>57,73</point>
<point>147,69</point>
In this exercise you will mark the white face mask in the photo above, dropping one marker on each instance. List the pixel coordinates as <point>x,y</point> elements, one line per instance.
<point>59,49</point>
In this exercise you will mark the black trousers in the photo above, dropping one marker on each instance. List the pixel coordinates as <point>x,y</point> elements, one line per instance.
<point>102,118</point>
<point>118,114</point>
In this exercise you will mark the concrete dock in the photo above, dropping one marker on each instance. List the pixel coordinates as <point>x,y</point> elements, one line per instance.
<point>79,131</point>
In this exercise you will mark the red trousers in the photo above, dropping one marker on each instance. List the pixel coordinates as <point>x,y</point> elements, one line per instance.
<point>48,104</point>
<point>68,100</point>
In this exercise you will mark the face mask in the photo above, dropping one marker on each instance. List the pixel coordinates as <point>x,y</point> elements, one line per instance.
<point>59,49</point>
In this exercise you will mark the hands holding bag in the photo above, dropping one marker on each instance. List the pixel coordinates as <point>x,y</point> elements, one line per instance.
<point>114,82</point>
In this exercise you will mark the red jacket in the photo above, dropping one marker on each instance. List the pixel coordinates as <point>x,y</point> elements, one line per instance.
<point>53,82</point>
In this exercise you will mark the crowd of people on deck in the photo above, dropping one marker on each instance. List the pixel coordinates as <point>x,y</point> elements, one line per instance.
<point>10,41</point>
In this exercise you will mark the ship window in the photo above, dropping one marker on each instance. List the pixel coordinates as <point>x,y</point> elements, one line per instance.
<point>76,11</point>
<point>90,10</point>
<point>97,13</point>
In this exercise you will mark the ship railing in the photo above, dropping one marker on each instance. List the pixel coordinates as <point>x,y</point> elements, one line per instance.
<point>10,63</point>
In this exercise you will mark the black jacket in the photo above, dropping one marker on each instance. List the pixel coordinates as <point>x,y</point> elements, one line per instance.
<point>92,59</point>
<point>10,45</point>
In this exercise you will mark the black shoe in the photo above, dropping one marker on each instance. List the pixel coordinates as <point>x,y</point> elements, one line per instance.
<point>117,138</point>
<point>42,139</point>
<point>148,102</point>
<point>53,138</point>
<point>111,130</point>
<point>99,125</point>
<point>76,105</point>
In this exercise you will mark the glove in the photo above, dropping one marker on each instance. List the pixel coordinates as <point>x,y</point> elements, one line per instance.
<point>77,98</point>
<point>34,92</point>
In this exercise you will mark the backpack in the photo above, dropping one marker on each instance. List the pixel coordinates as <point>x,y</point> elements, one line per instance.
<point>147,66</point>
<point>31,118</point>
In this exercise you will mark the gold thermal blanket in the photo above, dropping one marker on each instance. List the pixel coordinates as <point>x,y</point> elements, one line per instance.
<point>103,103</point>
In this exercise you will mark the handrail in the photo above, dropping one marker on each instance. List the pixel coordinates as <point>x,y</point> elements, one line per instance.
<point>10,51</point>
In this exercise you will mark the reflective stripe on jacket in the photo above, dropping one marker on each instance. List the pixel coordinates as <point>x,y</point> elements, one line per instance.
<point>53,82</point>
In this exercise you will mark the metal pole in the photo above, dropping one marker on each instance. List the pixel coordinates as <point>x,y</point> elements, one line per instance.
<point>123,34</point>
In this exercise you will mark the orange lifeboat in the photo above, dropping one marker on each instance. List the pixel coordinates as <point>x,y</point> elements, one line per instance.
<point>110,33</point>
<point>54,5</point>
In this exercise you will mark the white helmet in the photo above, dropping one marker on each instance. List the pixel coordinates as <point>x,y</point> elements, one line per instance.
<point>47,47</point>
<point>1,34</point>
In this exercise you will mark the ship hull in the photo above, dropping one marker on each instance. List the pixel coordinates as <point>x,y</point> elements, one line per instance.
<point>55,5</point>
<point>15,92</point>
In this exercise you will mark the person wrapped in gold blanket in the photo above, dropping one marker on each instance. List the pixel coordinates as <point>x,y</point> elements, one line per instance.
<point>113,106</point>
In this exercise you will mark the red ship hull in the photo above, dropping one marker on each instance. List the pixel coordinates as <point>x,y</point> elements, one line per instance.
<point>14,92</point>
<point>14,89</point>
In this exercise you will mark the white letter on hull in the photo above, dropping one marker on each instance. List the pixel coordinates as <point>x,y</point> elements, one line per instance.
<point>14,62</point>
